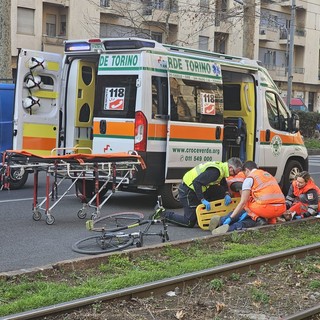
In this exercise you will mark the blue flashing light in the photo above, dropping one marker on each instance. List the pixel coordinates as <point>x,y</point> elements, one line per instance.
<point>77,46</point>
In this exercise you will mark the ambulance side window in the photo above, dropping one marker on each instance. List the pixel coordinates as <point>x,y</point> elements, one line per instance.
<point>159,96</point>
<point>277,113</point>
<point>116,96</point>
<point>195,101</point>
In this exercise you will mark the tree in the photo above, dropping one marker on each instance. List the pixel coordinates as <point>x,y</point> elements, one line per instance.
<point>5,39</point>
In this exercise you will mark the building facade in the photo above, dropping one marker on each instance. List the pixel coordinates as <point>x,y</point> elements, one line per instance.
<point>256,29</point>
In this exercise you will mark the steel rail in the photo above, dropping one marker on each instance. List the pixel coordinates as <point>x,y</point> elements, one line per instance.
<point>164,285</point>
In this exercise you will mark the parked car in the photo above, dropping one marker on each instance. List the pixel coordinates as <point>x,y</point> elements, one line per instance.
<point>297,104</point>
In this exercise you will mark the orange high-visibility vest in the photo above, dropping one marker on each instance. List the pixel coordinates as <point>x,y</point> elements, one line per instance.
<point>309,186</point>
<point>265,188</point>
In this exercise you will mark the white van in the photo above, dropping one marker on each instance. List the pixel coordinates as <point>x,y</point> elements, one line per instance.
<point>175,106</point>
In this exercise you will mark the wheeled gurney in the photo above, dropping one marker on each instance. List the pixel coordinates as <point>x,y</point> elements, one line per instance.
<point>102,169</point>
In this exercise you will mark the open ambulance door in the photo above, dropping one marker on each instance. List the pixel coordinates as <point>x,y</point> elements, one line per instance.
<point>195,127</point>
<point>36,112</point>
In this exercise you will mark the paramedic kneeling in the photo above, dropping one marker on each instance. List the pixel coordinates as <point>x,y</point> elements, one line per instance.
<point>202,184</point>
<point>261,196</point>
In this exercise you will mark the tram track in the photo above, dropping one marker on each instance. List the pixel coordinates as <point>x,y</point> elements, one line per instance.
<point>166,285</point>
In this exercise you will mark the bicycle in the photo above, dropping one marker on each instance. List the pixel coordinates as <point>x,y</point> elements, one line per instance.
<point>111,237</point>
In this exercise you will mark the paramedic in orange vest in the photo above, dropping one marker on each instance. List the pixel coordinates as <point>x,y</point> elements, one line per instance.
<point>261,196</point>
<point>303,197</point>
<point>202,184</point>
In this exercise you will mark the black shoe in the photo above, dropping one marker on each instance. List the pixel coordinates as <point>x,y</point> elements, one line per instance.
<point>261,222</point>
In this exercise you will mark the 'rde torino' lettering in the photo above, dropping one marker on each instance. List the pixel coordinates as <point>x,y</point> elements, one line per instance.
<point>190,65</point>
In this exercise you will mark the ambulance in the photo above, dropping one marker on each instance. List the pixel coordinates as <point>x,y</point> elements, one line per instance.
<point>176,107</point>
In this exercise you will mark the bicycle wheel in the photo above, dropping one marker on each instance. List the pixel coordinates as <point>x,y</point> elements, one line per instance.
<point>107,242</point>
<point>118,221</point>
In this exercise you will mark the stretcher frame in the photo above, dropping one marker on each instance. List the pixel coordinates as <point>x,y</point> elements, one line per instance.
<point>103,169</point>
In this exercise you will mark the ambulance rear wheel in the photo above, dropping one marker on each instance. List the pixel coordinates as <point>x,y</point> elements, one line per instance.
<point>170,195</point>
<point>292,168</point>
<point>89,188</point>
<point>18,178</point>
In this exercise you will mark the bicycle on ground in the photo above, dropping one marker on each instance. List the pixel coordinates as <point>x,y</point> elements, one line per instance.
<point>111,236</point>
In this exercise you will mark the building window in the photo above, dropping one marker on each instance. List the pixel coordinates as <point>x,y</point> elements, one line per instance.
<point>51,25</point>
<point>25,20</point>
<point>220,42</point>
<point>104,3</point>
<point>203,43</point>
<point>63,25</point>
<point>157,36</point>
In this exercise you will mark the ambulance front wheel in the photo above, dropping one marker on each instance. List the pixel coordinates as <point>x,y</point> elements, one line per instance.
<point>292,168</point>
<point>18,178</point>
<point>170,195</point>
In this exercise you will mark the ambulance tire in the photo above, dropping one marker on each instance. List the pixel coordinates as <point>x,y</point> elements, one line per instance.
<point>170,195</point>
<point>16,181</point>
<point>292,168</point>
<point>89,189</point>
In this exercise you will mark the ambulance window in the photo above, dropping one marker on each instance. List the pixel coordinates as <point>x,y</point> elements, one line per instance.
<point>116,96</point>
<point>277,113</point>
<point>231,97</point>
<point>159,96</point>
<point>195,101</point>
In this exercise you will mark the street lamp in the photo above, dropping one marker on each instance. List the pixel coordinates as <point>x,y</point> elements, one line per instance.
<point>291,48</point>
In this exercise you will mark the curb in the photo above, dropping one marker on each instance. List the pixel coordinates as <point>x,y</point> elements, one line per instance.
<point>312,152</point>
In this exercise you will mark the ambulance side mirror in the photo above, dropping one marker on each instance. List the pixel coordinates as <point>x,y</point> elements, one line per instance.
<point>294,122</point>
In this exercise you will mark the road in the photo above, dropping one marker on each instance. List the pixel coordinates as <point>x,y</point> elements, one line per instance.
<point>26,243</point>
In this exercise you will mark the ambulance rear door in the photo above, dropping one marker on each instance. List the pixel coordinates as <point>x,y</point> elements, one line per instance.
<point>36,114</point>
<point>196,115</point>
<point>115,103</point>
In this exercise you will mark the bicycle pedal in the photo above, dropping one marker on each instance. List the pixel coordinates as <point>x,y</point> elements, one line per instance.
<point>89,225</point>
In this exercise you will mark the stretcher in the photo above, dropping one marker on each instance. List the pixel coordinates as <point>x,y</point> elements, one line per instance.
<point>218,208</point>
<point>102,169</point>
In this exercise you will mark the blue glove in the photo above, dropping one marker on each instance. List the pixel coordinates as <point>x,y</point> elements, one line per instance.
<point>227,221</point>
<point>206,204</point>
<point>296,217</point>
<point>243,216</point>
<point>227,200</point>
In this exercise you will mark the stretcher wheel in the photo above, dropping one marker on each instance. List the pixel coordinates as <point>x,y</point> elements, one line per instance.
<point>36,216</point>
<point>107,242</point>
<point>50,220</point>
<point>81,214</point>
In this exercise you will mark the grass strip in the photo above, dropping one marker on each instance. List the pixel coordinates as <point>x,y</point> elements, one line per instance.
<point>23,293</point>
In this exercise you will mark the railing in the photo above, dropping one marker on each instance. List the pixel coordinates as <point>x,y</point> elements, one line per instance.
<point>283,71</point>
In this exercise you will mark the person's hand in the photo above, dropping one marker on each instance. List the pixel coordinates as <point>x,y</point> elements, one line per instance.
<point>227,199</point>
<point>227,221</point>
<point>243,216</point>
<point>206,204</point>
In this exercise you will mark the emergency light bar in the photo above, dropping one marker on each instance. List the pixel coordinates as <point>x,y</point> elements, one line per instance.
<point>77,46</point>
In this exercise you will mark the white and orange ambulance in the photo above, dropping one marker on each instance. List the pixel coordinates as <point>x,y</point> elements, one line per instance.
<point>175,106</point>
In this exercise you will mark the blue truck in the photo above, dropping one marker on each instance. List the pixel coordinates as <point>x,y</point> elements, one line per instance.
<point>18,177</point>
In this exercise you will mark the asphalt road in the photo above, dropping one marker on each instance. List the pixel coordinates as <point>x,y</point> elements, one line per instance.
<point>26,243</point>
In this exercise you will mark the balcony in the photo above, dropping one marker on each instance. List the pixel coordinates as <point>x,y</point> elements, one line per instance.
<point>159,15</point>
<point>300,4</point>
<point>267,34</point>
<point>279,73</point>
<point>113,8</point>
<point>53,41</point>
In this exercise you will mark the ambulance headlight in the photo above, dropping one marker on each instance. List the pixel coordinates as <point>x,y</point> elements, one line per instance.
<point>30,102</point>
